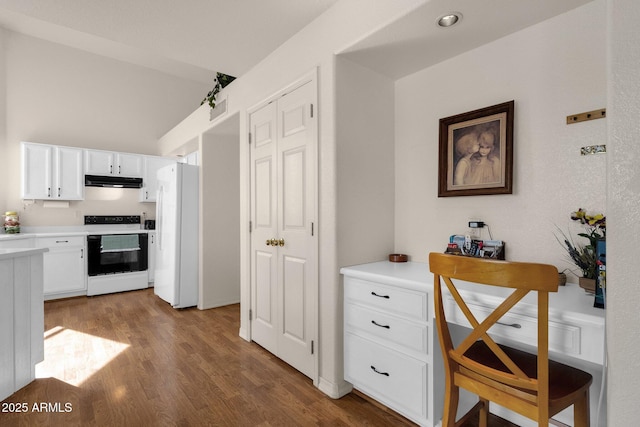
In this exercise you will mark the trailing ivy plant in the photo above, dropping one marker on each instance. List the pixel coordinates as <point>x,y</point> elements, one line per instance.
<point>221,80</point>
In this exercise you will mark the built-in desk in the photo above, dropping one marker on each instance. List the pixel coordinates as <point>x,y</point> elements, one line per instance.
<point>389,312</point>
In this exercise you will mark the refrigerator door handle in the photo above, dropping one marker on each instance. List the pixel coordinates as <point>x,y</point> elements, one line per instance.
<point>159,202</point>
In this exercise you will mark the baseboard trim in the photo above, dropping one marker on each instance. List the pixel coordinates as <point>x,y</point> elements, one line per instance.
<point>217,304</point>
<point>244,334</point>
<point>333,390</point>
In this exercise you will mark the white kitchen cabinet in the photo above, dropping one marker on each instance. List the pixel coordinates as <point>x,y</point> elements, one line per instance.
<point>129,165</point>
<point>51,172</point>
<point>151,263</point>
<point>99,162</point>
<point>151,164</point>
<point>65,272</point>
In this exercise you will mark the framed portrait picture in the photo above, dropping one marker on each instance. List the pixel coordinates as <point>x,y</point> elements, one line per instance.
<point>476,152</point>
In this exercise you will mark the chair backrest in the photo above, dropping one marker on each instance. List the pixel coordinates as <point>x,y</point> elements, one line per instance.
<point>522,278</point>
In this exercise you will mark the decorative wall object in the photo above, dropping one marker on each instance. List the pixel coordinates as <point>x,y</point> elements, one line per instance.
<point>219,83</point>
<point>476,152</point>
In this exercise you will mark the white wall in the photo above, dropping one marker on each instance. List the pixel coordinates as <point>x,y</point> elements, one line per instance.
<point>3,115</point>
<point>313,47</point>
<point>64,96</point>
<point>220,220</point>
<point>365,164</point>
<point>551,72</point>
<point>623,211</point>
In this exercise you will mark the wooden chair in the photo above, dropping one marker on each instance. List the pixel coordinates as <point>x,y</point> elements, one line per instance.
<point>530,385</point>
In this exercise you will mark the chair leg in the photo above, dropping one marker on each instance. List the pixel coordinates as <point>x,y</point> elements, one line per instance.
<point>484,413</point>
<point>451,397</point>
<point>581,414</point>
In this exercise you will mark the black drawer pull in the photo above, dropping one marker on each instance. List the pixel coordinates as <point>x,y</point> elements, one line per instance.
<point>382,326</point>
<point>512,325</point>
<point>386,374</point>
<point>62,241</point>
<point>379,296</point>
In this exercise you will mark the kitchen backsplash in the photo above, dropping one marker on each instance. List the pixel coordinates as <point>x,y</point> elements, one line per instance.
<point>98,201</point>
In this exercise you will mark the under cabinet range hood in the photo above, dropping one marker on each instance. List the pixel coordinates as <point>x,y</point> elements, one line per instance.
<point>112,181</point>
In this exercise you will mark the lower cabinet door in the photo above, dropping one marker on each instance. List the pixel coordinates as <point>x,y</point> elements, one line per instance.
<point>395,379</point>
<point>64,270</point>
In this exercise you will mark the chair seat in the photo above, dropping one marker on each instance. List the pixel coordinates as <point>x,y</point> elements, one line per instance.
<point>564,380</point>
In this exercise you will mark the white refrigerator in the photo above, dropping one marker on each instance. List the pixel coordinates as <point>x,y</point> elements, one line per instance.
<point>176,272</point>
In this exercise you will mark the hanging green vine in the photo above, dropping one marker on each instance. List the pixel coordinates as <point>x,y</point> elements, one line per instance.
<point>220,82</point>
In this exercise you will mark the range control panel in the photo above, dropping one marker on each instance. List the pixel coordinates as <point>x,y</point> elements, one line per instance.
<point>111,219</point>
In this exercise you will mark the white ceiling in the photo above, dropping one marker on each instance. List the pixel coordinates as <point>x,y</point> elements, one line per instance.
<point>190,38</point>
<point>415,42</point>
<point>195,38</point>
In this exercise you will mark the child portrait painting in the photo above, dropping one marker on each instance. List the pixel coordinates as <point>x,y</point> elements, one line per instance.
<point>476,152</point>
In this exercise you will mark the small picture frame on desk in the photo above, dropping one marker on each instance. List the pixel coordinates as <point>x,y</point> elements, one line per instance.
<point>476,152</point>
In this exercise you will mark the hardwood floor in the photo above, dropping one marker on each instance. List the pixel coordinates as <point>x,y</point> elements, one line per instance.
<point>129,359</point>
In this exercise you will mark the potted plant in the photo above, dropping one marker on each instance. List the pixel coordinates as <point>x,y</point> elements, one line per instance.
<point>584,255</point>
<point>219,82</point>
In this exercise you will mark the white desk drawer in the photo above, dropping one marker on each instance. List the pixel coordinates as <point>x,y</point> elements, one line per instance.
<point>393,378</point>
<point>563,338</point>
<point>388,327</point>
<point>403,302</point>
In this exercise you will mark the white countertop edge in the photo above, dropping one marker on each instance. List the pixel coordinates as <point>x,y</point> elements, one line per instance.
<point>34,234</point>
<point>20,252</point>
<point>410,275</point>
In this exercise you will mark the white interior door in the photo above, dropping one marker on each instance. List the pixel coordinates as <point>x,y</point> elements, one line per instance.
<point>284,248</point>
<point>296,207</point>
<point>264,218</point>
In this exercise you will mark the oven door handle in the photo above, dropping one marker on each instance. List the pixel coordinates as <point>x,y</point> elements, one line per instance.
<point>106,251</point>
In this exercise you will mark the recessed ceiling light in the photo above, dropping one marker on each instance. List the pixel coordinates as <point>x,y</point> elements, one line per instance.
<point>449,19</point>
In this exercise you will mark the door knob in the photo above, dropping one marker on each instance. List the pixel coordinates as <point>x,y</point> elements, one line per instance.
<point>274,242</point>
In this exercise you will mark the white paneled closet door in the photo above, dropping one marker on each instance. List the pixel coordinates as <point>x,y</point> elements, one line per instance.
<point>284,243</point>
<point>264,213</point>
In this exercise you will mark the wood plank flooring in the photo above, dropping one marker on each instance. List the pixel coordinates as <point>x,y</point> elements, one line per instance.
<point>129,359</point>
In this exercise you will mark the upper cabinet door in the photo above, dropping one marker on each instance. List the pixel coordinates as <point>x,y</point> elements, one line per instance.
<point>50,172</point>
<point>36,171</point>
<point>69,173</point>
<point>97,162</point>
<point>129,165</point>
<point>150,176</point>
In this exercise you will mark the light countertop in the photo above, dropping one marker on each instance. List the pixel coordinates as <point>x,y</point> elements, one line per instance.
<point>20,252</point>
<point>57,233</point>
